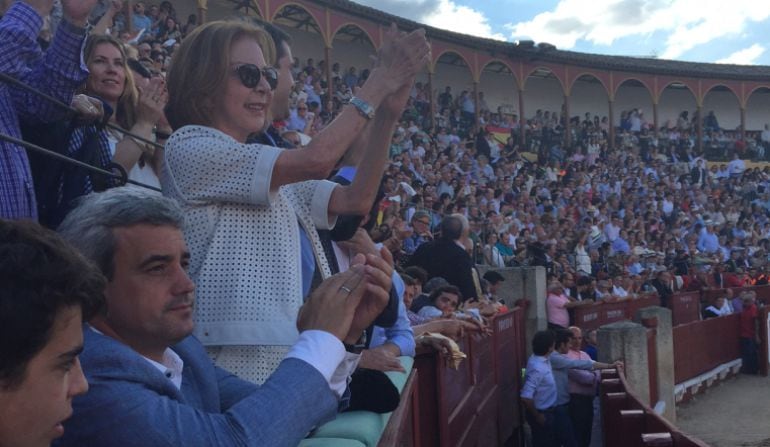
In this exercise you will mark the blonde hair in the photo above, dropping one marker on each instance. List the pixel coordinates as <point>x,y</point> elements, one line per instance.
<point>200,68</point>
<point>125,114</point>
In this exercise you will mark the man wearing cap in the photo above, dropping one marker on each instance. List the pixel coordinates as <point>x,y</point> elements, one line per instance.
<point>420,235</point>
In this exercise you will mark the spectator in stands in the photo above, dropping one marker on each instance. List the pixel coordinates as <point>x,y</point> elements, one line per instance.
<point>445,258</point>
<point>719,308</point>
<point>141,22</point>
<point>153,384</point>
<point>421,232</point>
<point>749,334</point>
<point>22,58</point>
<point>492,255</point>
<point>138,110</point>
<point>494,279</point>
<point>234,111</point>
<point>662,284</point>
<point>557,306</point>
<point>583,386</point>
<point>443,303</point>
<point>48,289</point>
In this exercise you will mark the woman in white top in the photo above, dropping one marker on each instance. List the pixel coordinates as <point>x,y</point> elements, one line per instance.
<point>492,255</point>
<point>135,108</point>
<point>253,209</point>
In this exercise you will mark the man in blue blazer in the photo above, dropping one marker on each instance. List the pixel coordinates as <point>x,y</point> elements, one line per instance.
<point>152,384</point>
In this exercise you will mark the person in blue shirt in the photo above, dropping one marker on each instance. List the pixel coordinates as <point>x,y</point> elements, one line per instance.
<point>545,394</point>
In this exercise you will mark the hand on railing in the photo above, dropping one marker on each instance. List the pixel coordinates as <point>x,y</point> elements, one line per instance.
<point>380,359</point>
<point>89,110</point>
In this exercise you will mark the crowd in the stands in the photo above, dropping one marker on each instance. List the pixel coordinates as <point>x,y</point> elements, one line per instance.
<point>313,271</point>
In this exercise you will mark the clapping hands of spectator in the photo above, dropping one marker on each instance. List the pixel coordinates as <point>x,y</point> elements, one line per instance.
<point>332,306</point>
<point>77,11</point>
<point>380,359</point>
<point>401,57</point>
<point>89,110</point>
<point>347,303</point>
<point>152,100</point>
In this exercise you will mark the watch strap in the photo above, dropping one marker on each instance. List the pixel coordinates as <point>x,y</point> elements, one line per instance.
<point>364,108</point>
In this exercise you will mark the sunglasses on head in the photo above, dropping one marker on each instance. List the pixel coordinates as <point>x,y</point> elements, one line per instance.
<point>250,75</point>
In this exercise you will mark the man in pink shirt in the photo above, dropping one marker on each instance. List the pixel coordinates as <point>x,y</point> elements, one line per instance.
<point>556,305</point>
<point>582,391</point>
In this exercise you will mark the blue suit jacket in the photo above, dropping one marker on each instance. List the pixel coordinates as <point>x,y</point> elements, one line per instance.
<point>131,403</point>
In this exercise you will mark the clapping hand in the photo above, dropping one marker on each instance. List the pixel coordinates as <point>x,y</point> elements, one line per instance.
<point>89,110</point>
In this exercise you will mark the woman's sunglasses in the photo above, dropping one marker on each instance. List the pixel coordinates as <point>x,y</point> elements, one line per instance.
<point>250,75</point>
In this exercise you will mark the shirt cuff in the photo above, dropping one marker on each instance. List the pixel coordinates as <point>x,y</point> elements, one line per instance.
<point>319,205</point>
<point>327,355</point>
<point>261,194</point>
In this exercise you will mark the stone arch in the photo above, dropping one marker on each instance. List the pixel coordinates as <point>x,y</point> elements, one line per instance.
<point>543,71</point>
<point>302,24</point>
<point>633,93</point>
<point>351,26</point>
<point>297,17</point>
<point>451,69</point>
<point>500,87</point>
<point>671,102</point>
<point>719,98</point>
<point>539,85</point>
<point>758,108</point>
<point>351,46</point>
<point>588,94</point>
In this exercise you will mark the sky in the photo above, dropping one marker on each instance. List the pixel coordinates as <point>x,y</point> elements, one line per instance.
<point>732,32</point>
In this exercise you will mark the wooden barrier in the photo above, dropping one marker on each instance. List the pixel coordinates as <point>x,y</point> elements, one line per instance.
<point>477,404</point>
<point>403,428</point>
<point>685,307</point>
<point>593,316</point>
<point>627,421</point>
<point>703,345</point>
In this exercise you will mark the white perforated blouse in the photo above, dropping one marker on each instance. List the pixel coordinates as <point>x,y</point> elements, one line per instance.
<point>245,245</point>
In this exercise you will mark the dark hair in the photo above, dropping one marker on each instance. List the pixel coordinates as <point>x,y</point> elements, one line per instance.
<point>417,273</point>
<point>446,289</point>
<point>563,336</point>
<point>40,275</point>
<point>451,228</point>
<point>542,342</point>
<point>279,37</point>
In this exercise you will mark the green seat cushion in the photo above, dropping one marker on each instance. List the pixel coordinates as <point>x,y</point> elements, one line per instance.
<point>362,427</point>
<point>330,442</point>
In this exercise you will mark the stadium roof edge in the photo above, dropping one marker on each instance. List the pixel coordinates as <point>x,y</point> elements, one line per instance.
<point>596,61</point>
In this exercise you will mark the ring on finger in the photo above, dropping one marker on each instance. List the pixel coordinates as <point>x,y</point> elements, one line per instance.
<point>346,289</point>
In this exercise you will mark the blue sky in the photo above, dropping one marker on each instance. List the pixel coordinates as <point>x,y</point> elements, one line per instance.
<point>690,30</point>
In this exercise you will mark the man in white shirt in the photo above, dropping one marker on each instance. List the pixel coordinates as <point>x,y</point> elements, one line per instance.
<point>152,382</point>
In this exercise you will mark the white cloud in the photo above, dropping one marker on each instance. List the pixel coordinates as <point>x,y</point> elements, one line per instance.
<point>687,23</point>
<point>444,14</point>
<point>746,56</point>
